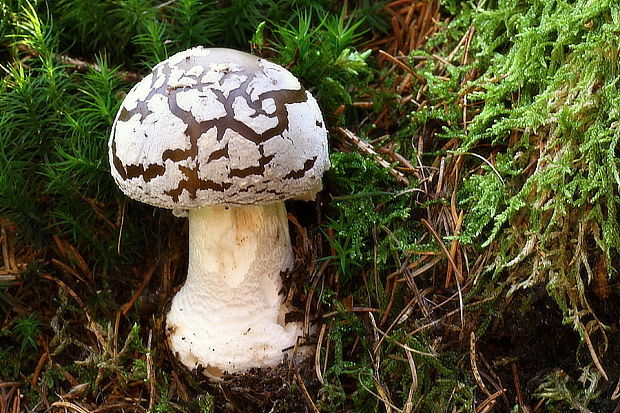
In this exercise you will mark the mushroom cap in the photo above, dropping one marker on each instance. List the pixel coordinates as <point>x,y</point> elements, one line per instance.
<point>212,126</point>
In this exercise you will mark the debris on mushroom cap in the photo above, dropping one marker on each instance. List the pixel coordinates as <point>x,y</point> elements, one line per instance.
<point>218,126</point>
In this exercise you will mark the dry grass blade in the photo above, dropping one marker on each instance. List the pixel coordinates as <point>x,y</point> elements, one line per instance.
<point>401,65</point>
<point>485,160</point>
<point>70,406</point>
<point>616,393</point>
<point>150,376</point>
<point>445,316</point>
<point>71,256</point>
<point>304,392</point>
<point>316,277</point>
<point>5,397</point>
<point>181,390</point>
<point>352,310</point>
<point>454,248</point>
<point>474,364</point>
<point>489,404</point>
<point>517,381</point>
<point>410,278</point>
<point>451,261</point>
<point>8,277</point>
<point>7,256</point>
<point>75,391</point>
<point>383,396</point>
<point>408,407</point>
<point>412,23</point>
<point>120,407</point>
<point>16,408</point>
<point>368,149</point>
<point>317,354</point>
<point>68,270</point>
<point>595,358</point>
<point>399,344</point>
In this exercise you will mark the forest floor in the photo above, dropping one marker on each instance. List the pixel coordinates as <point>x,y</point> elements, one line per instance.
<point>461,257</point>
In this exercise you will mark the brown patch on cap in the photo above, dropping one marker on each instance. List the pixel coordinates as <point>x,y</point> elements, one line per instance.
<point>300,173</point>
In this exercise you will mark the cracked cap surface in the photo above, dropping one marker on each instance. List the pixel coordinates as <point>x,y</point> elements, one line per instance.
<point>218,126</point>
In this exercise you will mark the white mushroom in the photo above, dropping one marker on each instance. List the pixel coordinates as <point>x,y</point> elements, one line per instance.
<point>229,137</point>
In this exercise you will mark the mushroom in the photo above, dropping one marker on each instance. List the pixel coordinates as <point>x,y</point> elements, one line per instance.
<point>227,136</point>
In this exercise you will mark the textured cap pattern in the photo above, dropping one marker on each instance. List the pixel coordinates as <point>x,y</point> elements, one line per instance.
<point>218,126</point>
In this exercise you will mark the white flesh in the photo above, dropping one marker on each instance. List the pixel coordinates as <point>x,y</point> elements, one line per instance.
<point>229,315</point>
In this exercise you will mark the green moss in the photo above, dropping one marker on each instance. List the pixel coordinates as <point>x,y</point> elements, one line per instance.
<point>548,206</point>
<point>371,204</point>
<point>333,396</point>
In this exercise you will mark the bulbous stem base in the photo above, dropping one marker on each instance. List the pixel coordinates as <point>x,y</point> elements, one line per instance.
<point>229,314</point>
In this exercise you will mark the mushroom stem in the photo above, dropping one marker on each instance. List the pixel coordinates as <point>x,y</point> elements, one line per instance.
<point>229,314</point>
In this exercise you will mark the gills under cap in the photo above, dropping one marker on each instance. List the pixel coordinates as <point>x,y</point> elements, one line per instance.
<point>218,126</point>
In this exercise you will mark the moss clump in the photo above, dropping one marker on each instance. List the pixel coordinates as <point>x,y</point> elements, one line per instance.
<point>538,102</point>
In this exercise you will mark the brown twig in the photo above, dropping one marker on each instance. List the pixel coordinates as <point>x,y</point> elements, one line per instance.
<point>83,66</point>
<point>5,248</point>
<point>8,248</point>
<point>145,281</point>
<point>9,276</point>
<point>3,401</point>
